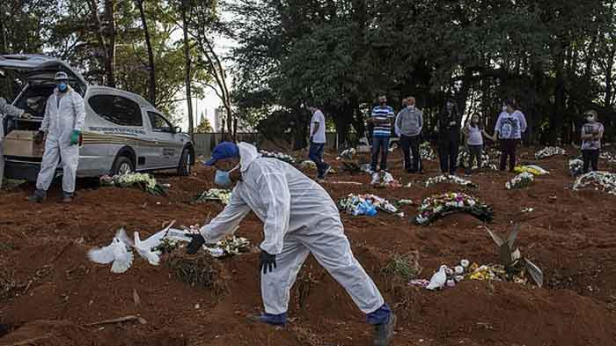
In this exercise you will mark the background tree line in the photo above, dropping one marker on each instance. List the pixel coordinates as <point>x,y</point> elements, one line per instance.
<point>555,57</point>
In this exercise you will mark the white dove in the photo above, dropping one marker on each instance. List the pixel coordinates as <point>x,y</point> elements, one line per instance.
<point>144,247</point>
<point>439,279</point>
<point>117,252</point>
<point>178,235</point>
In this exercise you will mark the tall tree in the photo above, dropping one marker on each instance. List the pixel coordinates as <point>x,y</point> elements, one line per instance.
<point>151,66</point>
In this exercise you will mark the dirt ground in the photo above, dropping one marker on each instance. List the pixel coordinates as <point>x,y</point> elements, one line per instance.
<point>50,292</point>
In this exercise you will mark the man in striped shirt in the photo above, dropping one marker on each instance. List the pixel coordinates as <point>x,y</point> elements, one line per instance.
<point>382,117</point>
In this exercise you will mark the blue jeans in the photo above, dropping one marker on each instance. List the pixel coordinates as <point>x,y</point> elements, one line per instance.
<point>316,155</point>
<point>379,145</point>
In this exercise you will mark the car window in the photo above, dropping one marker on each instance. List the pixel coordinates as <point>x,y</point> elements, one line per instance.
<point>159,123</point>
<point>117,109</point>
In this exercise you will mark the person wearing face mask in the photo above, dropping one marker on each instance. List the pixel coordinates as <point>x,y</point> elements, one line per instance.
<point>409,123</point>
<point>64,118</point>
<point>509,128</point>
<point>7,109</point>
<point>381,117</point>
<point>449,122</point>
<point>299,218</point>
<point>592,132</point>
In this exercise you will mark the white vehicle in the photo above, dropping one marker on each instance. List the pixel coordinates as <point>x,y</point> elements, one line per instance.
<point>123,132</point>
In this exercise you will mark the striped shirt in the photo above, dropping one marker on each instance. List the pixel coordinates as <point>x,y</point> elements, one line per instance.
<point>382,129</point>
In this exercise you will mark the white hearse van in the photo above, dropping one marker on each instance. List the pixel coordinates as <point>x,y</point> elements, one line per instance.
<point>123,132</point>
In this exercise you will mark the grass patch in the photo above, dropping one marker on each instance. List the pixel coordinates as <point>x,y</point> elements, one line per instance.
<point>405,266</point>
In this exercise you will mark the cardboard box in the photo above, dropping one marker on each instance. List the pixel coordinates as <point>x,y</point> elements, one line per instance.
<point>21,143</point>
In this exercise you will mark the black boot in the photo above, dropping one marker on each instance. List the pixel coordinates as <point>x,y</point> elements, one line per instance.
<point>39,196</point>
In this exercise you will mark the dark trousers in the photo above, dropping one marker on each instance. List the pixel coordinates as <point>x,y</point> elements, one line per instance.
<point>591,159</point>
<point>508,147</point>
<point>448,155</point>
<point>410,144</point>
<point>379,145</point>
<point>316,155</point>
<point>474,153</point>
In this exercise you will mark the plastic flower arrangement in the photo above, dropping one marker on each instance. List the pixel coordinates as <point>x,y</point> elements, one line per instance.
<point>221,195</point>
<point>362,205</point>
<point>604,181</point>
<point>532,169</point>
<point>520,181</point>
<point>449,179</point>
<point>277,155</point>
<point>576,167</point>
<point>142,181</point>
<point>549,152</point>
<point>439,206</point>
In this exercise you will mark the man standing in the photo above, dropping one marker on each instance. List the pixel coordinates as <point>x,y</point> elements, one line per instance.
<point>64,118</point>
<point>7,110</point>
<point>299,218</point>
<point>449,122</point>
<point>409,124</point>
<point>317,141</point>
<point>381,117</point>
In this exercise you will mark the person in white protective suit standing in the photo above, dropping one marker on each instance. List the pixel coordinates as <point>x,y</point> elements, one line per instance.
<point>299,218</point>
<point>64,118</point>
<point>7,109</point>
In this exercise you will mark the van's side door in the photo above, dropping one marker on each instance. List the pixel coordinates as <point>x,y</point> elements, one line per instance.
<point>163,131</point>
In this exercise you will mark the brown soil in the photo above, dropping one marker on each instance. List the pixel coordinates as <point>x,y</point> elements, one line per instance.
<point>52,292</point>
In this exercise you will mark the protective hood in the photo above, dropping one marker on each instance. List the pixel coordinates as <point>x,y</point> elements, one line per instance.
<point>248,153</point>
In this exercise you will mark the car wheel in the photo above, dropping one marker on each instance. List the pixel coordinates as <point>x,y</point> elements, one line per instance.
<point>184,167</point>
<point>123,165</point>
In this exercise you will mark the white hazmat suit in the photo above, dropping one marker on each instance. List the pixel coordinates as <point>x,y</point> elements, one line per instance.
<point>5,110</point>
<point>59,122</point>
<point>299,218</point>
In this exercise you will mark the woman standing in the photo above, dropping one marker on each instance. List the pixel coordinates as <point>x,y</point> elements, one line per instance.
<point>474,133</point>
<point>509,128</point>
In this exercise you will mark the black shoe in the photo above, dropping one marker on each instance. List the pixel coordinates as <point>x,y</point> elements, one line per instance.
<point>39,196</point>
<point>67,198</point>
<point>383,333</point>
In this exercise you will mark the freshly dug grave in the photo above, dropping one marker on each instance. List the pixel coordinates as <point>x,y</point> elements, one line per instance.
<point>56,292</point>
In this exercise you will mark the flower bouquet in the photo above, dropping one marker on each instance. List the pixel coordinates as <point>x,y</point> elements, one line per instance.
<point>464,159</point>
<point>384,179</point>
<point>362,204</point>
<point>549,152</point>
<point>220,195</point>
<point>426,152</point>
<point>308,165</point>
<point>607,156</point>
<point>439,206</point>
<point>143,181</point>
<point>576,167</point>
<point>347,154</point>
<point>280,156</point>
<point>449,179</point>
<point>229,247</point>
<point>532,169</point>
<point>520,181</point>
<point>603,181</point>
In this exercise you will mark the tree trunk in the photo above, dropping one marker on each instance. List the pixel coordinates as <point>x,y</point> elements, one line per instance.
<point>111,46</point>
<point>188,71</point>
<point>151,67</point>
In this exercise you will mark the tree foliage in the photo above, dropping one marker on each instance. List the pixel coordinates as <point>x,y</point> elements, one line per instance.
<point>555,57</point>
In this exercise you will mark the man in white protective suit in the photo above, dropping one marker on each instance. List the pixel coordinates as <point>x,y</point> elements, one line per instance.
<point>299,218</point>
<point>64,118</point>
<point>6,109</point>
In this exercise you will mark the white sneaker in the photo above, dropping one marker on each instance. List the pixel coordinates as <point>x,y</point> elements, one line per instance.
<point>375,178</point>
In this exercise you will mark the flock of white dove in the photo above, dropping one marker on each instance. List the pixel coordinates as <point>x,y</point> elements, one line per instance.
<point>119,252</point>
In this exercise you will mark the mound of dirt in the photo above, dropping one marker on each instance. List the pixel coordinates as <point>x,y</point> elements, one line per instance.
<point>51,292</point>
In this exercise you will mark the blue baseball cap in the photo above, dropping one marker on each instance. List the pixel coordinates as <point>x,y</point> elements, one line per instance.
<point>223,150</point>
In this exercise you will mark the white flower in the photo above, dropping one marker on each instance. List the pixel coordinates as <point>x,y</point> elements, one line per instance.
<point>465,263</point>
